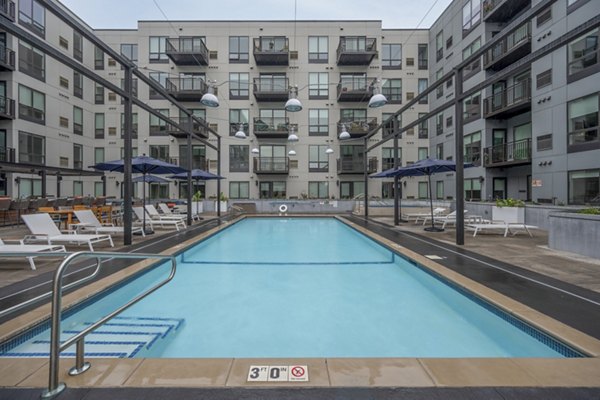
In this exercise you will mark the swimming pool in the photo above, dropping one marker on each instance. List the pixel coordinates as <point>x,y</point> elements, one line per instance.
<point>298,287</point>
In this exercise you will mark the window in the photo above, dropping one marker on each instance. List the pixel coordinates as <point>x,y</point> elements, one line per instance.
<point>318,85</point>
<point>98,58</point>
<point>32,61</point>
<point>573,5</point>
<point>239,190</point>
<point>32,105</point>
<point>239,158</point>
<point>471,48</point>
<point>32,148</point>
<point>423,127</point>
<point>77,85</point>
<point>99,125</point>
<point>472,148</point>
<point>423,190</point>
<point>99,189</point>
<point>544,79</point>
<point>439,124</point>
<point>318,49</point>
<point>158,126</point>
<point>63,82</point>
<point>439,151</point>
<point>423,153</point>
<point>318,159</point>
<point>472,189</point>
<point>130,51</point>
<point>134,152</point>
<point>32,15</point>
<point>239,86</point>
<point>391,57</point>
<point>439,91</point>
<point>349,190</point>
<point>161,78</point>
<point>392,90</point>
<point>158,49</point>
<point>544,142</point>
<point>543,17</point>
<point>318,190</point>
<point>388,124</point>
<point>583,123</point>
<point>472,108</point>
<point>160,152</point>
<point>273,190</point>
<point>134,125</point>
<point>237,117</point>
<point>159,191</point>
<point>439,190</point>
<point>198,157</point>
<point>423,56</point>
<point>422,86</point>
<point>449,122</point>
<point>64,43</point>
<point>584,187</point>
<point>439,46</point>
<point>583,55</point>
<point>77,188</point>
<point>471,14</point>
<point>77,156</point>
<point>318,122</point>
<point>98,94</point>
<point>448,42</point>
<point>98,155</point>
<point>77,120</point>
<point>77,46</point>
<point>238,49</point>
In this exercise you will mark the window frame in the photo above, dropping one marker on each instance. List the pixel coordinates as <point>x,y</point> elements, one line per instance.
<point>387,56</point>
<point>321,57</point>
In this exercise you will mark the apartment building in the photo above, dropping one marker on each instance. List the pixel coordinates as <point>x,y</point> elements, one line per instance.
<point>532,133</point>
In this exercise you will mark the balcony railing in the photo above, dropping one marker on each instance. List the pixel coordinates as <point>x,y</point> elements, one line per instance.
<point>271,50</point>
<point>357,127</point>
<point>271,165</point>
<point>197,128</point>
<point>505,154</point>
<point>587,61</point>
<point>190,88</point>
<point>511,48</point>
<point>187,51</point>
<point>7,108</point>
<point>32,158</point>
<point>7,8</point>
<point>511,101</point>
<point>356,50</point>
<point>197,162</point>
<point>503,10</point>
<point>7,59</point>
<point>272,88</point>
<point>7,154</point>
<point>235,126</point>
<point>356,165</point>
<point>274,127</point>
<point>354,88</point>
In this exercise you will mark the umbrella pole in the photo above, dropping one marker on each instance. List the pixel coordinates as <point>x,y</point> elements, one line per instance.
<point>144,201</point>
<point>432,228</point>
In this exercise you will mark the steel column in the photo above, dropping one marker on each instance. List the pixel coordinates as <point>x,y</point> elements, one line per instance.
<point>366,178</point>
<point>189,174</point>
<point>218,173</point>
<point>127,195</point>
<point>459,158</point>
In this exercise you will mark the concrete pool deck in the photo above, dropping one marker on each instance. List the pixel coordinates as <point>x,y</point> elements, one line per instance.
<point>20,374</point>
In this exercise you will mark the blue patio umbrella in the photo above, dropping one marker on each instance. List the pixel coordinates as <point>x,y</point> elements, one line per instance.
<point>197,175</point>
<point>141,165</point>
<point>427,166</point>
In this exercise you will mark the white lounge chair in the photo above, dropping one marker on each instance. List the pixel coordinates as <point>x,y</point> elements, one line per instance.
<point>88,221</point>
<point>446,219</point>
<point>166,211</point>
<point>42,228</point>
<point>512,228</point>
<point>422,216</point>
<point>155,215</point>
<point>29,248</point>
<point>177,223</point>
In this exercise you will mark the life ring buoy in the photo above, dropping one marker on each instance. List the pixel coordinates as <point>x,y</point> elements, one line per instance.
<point>283,208</point>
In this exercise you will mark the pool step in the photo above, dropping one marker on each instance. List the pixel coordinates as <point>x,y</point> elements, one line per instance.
<point>121,337</point>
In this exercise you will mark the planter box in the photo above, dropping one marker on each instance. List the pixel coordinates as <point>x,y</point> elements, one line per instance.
<point>575,233</point>
<point>513,215</point>
<point>222,206</point>
<point>197,207</point>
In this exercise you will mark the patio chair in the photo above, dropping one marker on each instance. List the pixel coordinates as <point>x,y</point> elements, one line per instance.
<point>177,223</point>
<point>155,215</point>
<point>88,221</point>
<point>42,228</point>
<point>168,212</point>
<point>6,247</point>
<point>446,219</point>
<point>505,227</point>
<point>421,216</point>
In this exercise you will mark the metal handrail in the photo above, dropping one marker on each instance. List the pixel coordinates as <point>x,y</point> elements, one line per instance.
<point>54,386</point>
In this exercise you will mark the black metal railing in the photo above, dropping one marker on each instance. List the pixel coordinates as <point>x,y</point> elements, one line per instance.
<point>7,154</point>
<point>357,126</point>
<point>234,127</point>
<point>271,124</point>
<point>7,8</point>
<point>515,95</point>
<point>518,152</point>
<point>271,165</point>
<point>356,165</point>
<point>517,37</point>
<point>186,84</point>
<point>360,85</point>
<point>32,158</point>
<point>585,58</point>
<point>7,107</point>
<point>357,46</point>
<point>271,44</point>
<point>197,162</point>
<point>271,85</point>
<point>7,57</point>
<point>193,48</point>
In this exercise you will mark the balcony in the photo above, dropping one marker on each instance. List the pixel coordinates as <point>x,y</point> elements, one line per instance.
<point>197,128</point>
<point>197,162</point>
<point>354,89</point>
<point>7,108</point>
<point>7,59</point>
<point>186,88</point>
<point>7,155</point>
<point>357,127</point>
<point>272,88</point>
<point>7,9</point>
<point>187,51</point>
<point>235,126</point>
<point>271,50</point>
<point>508,154</point>
<point>509,102</point>
<point>511,48</point>
<point>271,127</point>
<point>356,165</point>
<point>356,50</point>
<point>503,10</point>
<point>271,165</point>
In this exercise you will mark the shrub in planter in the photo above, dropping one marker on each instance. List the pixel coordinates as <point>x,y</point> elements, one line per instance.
<point>590,211</point>
<point>509,210</point>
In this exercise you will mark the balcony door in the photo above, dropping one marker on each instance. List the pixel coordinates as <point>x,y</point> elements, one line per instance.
<point>499,188</point>
<point>522,139</point>
<point>499,145</point>
<point>498,93</point>
<point>521,86</point>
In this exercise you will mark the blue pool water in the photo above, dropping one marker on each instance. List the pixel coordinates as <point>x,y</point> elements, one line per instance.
<point>298,288</point>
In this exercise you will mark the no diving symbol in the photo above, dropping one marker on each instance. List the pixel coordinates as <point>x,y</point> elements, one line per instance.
<point>298,372</point>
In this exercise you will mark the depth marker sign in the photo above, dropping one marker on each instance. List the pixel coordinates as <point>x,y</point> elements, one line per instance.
<point>278,373</point>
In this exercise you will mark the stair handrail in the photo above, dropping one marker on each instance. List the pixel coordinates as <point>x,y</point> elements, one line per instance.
<point>54,386</point>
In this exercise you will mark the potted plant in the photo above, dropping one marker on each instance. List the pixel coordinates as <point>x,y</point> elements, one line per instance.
<point>221,203</point>
<point>197,203</point>
<point>509,210</point>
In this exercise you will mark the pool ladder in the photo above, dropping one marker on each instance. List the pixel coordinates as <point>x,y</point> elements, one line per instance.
<point>54,386</point>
